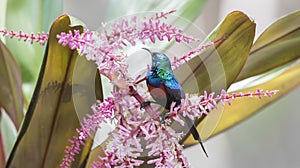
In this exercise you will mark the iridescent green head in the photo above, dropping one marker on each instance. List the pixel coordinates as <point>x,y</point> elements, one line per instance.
<point>160,60</point>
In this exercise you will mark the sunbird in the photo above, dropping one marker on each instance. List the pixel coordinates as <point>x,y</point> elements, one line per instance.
<point>165,89</point>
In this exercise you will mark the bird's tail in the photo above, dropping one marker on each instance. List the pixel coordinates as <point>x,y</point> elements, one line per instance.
<point>195,134</point>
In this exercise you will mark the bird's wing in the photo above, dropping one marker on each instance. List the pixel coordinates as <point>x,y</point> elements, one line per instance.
<point>174,91</point>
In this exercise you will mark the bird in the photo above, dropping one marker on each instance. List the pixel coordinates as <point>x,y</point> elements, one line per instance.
<point>164,88</point>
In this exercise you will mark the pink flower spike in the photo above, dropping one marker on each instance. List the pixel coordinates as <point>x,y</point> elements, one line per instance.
<point>104,48</point>
<point>163,15</point>
<point>40,38</point>
<point>177,62</point>
<point>102,111</point>
<point>208,102</point>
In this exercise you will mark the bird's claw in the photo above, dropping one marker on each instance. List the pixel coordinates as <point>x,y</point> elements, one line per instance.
<point>145,104</point>
<point>163,117</point>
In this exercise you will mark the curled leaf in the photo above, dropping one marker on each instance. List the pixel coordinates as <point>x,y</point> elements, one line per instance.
<point>242,109</point>
<point>217,68</point>
<point>54,111</point>
<point>277,46</point>
<point>11,96</point>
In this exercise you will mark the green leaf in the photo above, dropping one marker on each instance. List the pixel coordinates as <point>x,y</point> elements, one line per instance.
<point>30,16</point>
<point>8,133</point>
<point>277,46</point>
<point>65,90</point>
<point>93,156</point>
<point>11,98</point>
<point>217,68</point>
<point>243,108</point>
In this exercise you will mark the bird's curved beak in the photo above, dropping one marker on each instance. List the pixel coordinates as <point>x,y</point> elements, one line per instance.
<point>147,50</point>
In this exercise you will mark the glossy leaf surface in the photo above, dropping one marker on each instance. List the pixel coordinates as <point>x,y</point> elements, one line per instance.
<point>244,108</point>
<point>11,97</point>
<point>217,68</point>
<point>53,112</point>
<point>30,16</point>
<point>277,46</point>
<point>11,100</point>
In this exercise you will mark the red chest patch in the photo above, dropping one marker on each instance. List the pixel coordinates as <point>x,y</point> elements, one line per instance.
<point>158,93</point>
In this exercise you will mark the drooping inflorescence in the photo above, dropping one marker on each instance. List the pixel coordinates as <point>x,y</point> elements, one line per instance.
<point>162,141</point>
<point>138,132</point>
<point>102,111</point>
<point>105,49</point>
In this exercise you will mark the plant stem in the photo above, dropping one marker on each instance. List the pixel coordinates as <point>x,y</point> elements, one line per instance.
<point>141,100</point>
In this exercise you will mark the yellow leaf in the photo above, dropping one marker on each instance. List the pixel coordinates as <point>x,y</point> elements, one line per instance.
<point>243,108</point>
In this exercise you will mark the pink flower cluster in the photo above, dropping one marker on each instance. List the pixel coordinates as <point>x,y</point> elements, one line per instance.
<point>110,160</point>
<point>133,127</point>
<point>40,38</point>
<point>164,147</point>
<point>207,102</point>
<point>105,48</point>
<point>101,112</point>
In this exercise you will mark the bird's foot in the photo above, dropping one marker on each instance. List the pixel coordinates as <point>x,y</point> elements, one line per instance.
<point>163,117</point>
<point>145,104</point>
